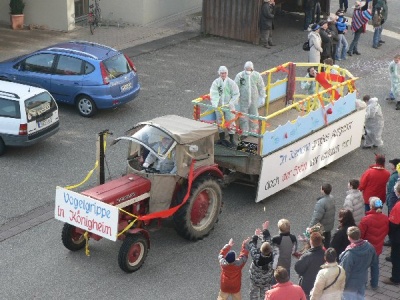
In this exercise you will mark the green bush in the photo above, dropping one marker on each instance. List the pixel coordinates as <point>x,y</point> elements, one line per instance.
<point>17,7</point>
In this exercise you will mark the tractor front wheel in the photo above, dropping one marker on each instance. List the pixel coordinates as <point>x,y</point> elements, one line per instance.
<point>197,217</point>
<point>72,239</point>
<point>133,252</point>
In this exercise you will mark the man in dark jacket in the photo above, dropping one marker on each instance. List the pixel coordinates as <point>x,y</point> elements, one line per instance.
<point>324,213</point>
<point>267,23</point>
<point>326,38</point>
<point>310,262</point>
<point>334,35</point>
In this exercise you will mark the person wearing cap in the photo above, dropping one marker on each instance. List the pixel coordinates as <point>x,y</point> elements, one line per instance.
<point>330,280</point>
<point>358,26</point>
<point>166,165</point>
<point>267,23</point>
<point>252,89</point>
<point>231,270</point>
<point>326,38</point>
<point>374,227</point>
<point>341,25</point>
<point>261,271</point>
<point>356,260</point>
<point>225,92</point>
<point>315,42</point>
<point>284,289</point>
<point>374,123</point>
<point>373,181</point>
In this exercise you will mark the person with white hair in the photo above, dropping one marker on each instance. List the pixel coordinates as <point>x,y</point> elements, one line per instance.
<point>224,92</point>
<point>252,93</point>
<point>373,123</point>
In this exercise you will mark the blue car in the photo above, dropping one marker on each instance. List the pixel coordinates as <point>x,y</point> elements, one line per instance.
<point>88,75</point>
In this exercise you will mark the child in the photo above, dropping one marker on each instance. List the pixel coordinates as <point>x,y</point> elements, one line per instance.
<point>373,123</point>
<point>284,246</point>
<point>231,270</point>
<point>261,272</point>
<point>342,29</point>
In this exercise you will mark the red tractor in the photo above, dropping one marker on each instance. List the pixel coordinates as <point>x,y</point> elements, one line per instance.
<point>190,192</point>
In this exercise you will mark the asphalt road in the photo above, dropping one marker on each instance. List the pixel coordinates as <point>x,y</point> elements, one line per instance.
<point>35,264</point>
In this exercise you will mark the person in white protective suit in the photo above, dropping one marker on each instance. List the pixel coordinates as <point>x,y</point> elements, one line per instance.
<point>394,71</point>
<point>166,165</point>
<point>224,92</point>
<point>252,94</point>
<point>373,123</point>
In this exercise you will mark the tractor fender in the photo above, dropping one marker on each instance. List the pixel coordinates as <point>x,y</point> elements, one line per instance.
<point>212,170</point>
<point>142,231</point>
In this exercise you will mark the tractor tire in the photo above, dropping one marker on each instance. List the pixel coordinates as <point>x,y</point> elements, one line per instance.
<point>197,217</point>
<point>133,252</point>
<point>71,239</point>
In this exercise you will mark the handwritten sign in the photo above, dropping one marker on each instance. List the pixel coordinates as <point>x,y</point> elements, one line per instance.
<point>86,213</point>
<point>300,159</point>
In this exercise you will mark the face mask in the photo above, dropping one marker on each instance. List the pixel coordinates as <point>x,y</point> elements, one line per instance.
<point>248,72</point>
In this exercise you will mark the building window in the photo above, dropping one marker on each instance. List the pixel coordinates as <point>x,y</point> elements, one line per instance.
<point>81,8</point>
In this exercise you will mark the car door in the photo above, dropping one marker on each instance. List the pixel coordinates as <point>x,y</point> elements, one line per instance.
<point>66,82</point>
<point>36,70</point>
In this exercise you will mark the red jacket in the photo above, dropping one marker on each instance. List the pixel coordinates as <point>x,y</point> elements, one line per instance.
<point>285,291</point>
<point>231,273</point>
<point>373,183</point>
<point>374,227</point>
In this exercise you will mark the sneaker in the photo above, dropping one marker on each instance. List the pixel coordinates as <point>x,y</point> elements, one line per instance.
<point>338,59</point>
<point>387,280</point>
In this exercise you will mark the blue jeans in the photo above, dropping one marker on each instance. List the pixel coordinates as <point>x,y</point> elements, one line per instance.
<point>354,43</point>
<point>375,273</point>
<point>341,47</point>
<point>377,36</point>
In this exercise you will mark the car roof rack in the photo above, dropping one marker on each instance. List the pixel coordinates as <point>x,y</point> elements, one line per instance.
<point>72,51</point>
<point>10,95</point>
<point>93,43</point>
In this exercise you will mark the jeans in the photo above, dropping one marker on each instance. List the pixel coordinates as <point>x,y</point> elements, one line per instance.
<point>308,13</point>
<point>395,256</point>
<point>343,4</point>
<point>377,36</point>
<point>341,47</point>
<point>354,43</point>
<point>375,274</point>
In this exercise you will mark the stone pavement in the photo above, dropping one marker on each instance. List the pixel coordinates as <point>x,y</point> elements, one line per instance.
<point>13,43</point>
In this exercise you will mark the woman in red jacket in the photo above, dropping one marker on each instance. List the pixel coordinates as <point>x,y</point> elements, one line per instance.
<point>374,227</point>
<point>373,181</point>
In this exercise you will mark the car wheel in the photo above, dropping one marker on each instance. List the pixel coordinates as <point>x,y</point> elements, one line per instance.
<point>2,147</point>
<point>86,106</point>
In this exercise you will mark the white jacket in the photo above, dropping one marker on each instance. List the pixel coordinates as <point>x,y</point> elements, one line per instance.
<point>325,277</point>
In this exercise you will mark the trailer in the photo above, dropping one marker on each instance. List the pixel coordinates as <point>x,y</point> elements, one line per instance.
<point>299,134</point>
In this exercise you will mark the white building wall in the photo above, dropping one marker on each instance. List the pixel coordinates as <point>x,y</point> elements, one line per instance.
<point>59,14</point>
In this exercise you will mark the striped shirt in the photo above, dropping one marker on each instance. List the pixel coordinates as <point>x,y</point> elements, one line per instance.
<point>360,19</point>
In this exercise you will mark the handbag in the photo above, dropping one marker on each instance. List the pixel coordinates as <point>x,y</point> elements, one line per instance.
<point>306,46</point>
<point>334,280</point>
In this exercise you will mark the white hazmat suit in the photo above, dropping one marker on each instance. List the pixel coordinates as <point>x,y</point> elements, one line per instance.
<point>373,124</point>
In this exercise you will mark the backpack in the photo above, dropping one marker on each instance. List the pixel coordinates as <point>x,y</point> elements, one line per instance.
<point>306,46</point>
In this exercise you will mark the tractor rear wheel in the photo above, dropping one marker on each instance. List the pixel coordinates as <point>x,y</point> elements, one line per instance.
<point>72,239</point>
<point>197,217</point>
<point>133,252</point>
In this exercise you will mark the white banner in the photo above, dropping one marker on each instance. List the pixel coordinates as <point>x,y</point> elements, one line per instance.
<point>86,213</point>
<point>298,160</point>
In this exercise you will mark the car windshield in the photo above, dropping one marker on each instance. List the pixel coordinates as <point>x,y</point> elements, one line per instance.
<point>117,66</point>
<point>39,105</point>
<point>153,137</point>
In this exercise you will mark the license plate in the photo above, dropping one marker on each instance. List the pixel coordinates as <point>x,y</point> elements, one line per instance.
<point>126,87</point>
<point>44,123</point>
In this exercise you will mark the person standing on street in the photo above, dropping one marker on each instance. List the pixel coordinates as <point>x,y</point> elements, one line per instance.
<point>330,280</point>
<point>374,123</point>
<point>354,201</point>
<point>252,89</point>
<point>224,92</point>
<point>267,23</point>
<point>315,42</point>
<point>231,270</point>
<point>342,29</point>
<point>356,260</point>
<point>284,289</point>
<point>332,29</point>
<point>394,234</point>
<point>326,39</point>
<point>324,213</point>
<point>358,26</point>
<point>373,181</point>
<point>339,240</point>
<point>379,16</point>
<point>394,72</point>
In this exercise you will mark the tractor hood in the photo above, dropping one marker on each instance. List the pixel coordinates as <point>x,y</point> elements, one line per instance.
<point>118,191</point>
